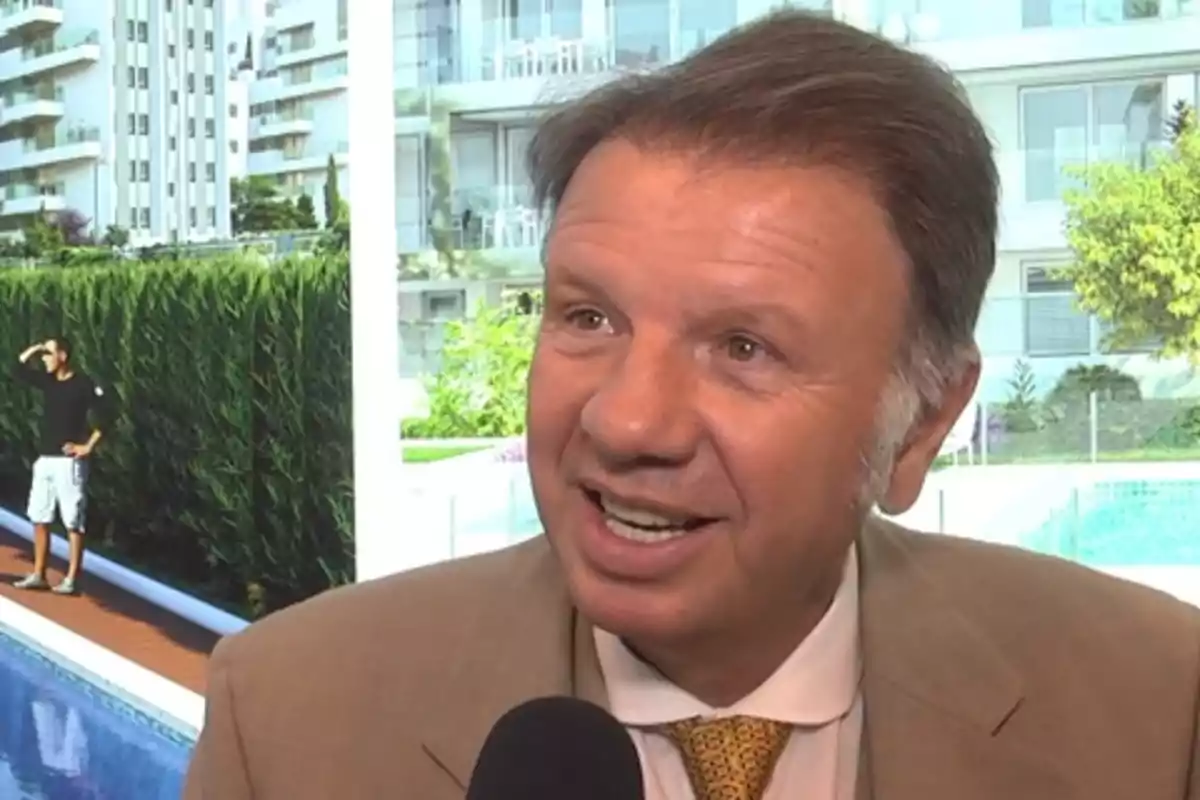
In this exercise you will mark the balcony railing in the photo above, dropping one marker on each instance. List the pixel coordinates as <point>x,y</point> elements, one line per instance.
<point>934,20</point>
<point>51,94</point>
<point>485,218</point>
<point>59,43</point>
<point>77,135</point>
<point>1044,325</point>
<point>24,191</point>
<point>304,114</point>
<point>17,6</point>
<point>315,151</point>
<point>301,76</point>
<point>1045,174</point>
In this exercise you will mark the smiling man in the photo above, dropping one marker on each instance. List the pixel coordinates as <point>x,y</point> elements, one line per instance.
<point>762,281</point>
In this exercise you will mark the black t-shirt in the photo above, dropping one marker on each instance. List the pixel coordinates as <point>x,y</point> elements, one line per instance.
<point>66,405</point>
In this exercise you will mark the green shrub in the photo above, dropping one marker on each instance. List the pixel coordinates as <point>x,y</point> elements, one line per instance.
<point>228,469</point>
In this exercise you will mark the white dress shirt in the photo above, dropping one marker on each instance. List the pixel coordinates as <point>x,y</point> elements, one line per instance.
<point>816,690</point>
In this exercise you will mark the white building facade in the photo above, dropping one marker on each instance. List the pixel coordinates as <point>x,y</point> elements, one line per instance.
<point>298,112</point>
<point>1056,82</point>
<point>117,109</point>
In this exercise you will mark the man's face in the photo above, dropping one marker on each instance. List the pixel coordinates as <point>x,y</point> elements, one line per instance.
<point>713,352</point>
<point>52,356</point>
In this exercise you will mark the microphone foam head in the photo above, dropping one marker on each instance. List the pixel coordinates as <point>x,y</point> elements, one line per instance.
<point>556,748</point>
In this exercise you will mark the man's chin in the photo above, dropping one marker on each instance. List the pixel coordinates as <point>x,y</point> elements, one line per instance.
<point>644,612</point>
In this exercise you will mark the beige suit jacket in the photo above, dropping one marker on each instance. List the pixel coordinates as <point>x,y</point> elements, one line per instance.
<point>990,674</point>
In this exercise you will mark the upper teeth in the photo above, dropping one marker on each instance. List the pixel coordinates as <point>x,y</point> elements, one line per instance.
<point>640,517</point>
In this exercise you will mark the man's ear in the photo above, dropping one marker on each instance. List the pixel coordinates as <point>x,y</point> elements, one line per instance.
<point>925,441</point>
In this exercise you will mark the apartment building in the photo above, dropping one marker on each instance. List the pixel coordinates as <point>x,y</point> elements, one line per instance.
<point>117,109</point>
<point>298,98</point>
<point>1057,82</point>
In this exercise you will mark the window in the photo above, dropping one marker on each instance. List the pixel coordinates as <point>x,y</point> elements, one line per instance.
<point>174,97</point>
<point>172,143</point>
<point>1071,126</point>
<point>170,5</point>
<point>210,172</point>
<point>171,50</point>
<point>192,173</point>
<point>442,305</point>
<point>191,126</point>
<point>171,189</point>
<point>233,110</point>
<point>191,83</point>
<point>144,171</point>
<point>233,145</point>
<point>208,3</point>
<point>144,216</point>
<point>144,124</point>
<point>132,124</point>
<point>208,84</point>
<point>208,41</point>
<point>133,218</point>
<point>212,217</point>
<point>192,216</point>
<point>210,128</point>
<point>130,30</point>
<point>143,32</point>
<point>190,38</point>
<point>1053,324</point>
<point>132,78</point>
<point>133,169</point>
<point>143,78</point>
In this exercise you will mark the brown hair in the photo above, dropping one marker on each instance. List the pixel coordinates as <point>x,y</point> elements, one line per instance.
<point>794,87</point>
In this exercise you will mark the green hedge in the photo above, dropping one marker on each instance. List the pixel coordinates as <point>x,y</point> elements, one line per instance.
<point>228,469</point>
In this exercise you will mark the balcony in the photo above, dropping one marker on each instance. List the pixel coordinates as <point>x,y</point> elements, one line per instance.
<point>1044,325</point>
<point>326,77</point>
<point>71,146</point>
<point>17,108</point>
<point>60,51</point>
<point>309,52</point>
<point>1012,33</point>
<point>29,18</point>
<point>1034,182</point>
<point>292,122</point>
<point>29,198</point>
<point>286,16</point>
<point>494,218</point>
<point>312,158</point>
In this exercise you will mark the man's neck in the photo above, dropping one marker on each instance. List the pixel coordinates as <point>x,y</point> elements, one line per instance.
<point>64,373</point>
<point>721,669</point>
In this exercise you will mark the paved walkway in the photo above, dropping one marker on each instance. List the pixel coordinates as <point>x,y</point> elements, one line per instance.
<point>127,625</point>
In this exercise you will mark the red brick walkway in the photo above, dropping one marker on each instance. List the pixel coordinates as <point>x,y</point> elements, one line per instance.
<point>127,625</point>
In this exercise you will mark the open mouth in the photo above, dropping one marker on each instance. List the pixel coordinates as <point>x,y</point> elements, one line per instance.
<point>642,525</point>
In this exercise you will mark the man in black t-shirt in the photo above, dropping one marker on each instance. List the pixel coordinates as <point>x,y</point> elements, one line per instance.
<point>68,438</point>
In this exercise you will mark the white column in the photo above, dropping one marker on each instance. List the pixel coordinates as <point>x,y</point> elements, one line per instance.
<point>374,294</point>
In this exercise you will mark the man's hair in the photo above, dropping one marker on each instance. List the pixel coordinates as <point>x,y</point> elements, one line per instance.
<point>794,88</point>
<point>64,346</point>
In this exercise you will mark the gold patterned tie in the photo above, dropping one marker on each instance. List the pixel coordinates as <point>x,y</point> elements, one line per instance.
<point>729,758</point>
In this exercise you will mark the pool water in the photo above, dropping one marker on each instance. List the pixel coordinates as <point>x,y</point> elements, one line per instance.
<point>63,738</point>
<point>1127,523</point>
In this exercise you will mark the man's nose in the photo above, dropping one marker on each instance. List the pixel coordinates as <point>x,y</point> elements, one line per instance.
<point>643,408</point>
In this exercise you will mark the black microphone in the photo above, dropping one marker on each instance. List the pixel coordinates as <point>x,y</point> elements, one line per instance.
<point>557,748</point>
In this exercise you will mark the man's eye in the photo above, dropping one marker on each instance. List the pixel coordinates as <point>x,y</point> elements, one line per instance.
<point>742,348</point>
<point>587,319</point>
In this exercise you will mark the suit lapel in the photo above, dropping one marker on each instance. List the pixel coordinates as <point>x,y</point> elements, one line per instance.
<point>937,693</point>
<point>527,642</point>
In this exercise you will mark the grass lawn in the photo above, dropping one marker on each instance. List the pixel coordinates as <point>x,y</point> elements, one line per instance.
<point>425,454</point>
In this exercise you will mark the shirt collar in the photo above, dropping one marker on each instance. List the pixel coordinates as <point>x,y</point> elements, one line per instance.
<point>814,686</point>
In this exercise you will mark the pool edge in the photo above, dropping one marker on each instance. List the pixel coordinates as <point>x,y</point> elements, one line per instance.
<point>148,692</point>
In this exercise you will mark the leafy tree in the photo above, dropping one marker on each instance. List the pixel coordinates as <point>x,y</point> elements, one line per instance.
<point>42,238</point>
<point>1135,234</point>
<point>336,238</point>
<point>306,213</point>
<point>116,236</point>
<point>1079,382</point>
<point>480,389</point>
<point>257,207</point>
<point>333,197</point>
<point>1020,410</point>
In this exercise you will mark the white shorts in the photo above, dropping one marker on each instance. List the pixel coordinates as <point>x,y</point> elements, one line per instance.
<point>59,481</point>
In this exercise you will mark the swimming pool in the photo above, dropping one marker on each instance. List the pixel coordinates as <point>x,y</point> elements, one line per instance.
<point>63,738</point>
<point>1126,523</point>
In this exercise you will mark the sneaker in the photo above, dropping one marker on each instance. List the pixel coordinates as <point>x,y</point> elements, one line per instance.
<point>66,587</point>
<point>32,582</point>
